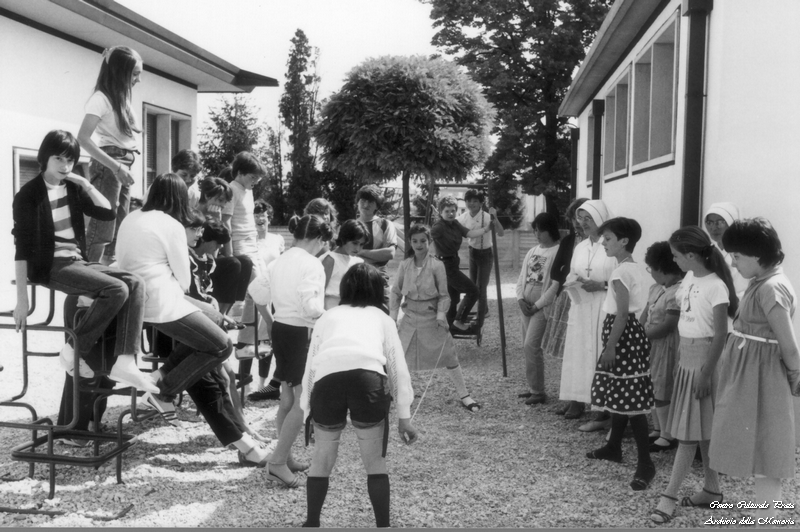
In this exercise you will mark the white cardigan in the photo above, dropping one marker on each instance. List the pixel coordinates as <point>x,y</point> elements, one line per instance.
<point>153,245</point>
<point>347,338</point>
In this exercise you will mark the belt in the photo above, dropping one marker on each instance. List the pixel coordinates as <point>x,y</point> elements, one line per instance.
<point>746,337</point>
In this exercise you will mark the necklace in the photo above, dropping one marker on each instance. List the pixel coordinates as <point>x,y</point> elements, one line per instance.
<point>591,257</point>
<point>626,259</point>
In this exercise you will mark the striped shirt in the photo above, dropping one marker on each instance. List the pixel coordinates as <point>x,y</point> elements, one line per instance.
<point>66,243</point>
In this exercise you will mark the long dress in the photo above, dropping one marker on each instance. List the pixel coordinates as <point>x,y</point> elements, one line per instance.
<point>753,432</point>
<point>583,344</point>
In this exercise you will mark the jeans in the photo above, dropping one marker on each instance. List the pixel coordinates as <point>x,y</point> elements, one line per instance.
<point>101,236</point>
<point>206,346</point>
<point>210,391</point>
<point>458,283</point>
<point>115,292</point>
<point>532,333</point>
<point>480,270</point>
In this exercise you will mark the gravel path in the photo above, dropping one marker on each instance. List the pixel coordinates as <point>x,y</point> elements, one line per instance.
<point>508,466</point>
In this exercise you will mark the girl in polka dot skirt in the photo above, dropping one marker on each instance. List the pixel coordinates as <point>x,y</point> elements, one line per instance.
<point>621,384</point>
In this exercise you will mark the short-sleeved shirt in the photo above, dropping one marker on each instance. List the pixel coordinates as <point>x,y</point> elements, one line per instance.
<point>662,302</point>
<point>448,237</point>
<point>194,195</point>
<point>697,297</point>
<point>479,221</point>
<point>107,132</point>
<point>243,223</point>
<point>382,234</point>
<point>633,277</point>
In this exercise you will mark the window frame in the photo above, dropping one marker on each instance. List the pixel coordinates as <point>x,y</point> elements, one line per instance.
<point>613,94</point>
<point>29,154</point>
<point>184,140</point>
<point>672,24</point>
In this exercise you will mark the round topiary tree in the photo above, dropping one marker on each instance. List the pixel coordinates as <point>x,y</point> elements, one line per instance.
<point>405,116</point>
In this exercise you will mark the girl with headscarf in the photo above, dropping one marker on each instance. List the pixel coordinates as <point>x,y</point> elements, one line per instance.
<point>586,285</point>
<point>717,219</point>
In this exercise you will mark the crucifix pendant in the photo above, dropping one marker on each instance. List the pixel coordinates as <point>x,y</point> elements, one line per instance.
<point>589,271</point>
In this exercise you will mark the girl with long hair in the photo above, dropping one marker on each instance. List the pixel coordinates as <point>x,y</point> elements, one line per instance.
<point>108,134</point>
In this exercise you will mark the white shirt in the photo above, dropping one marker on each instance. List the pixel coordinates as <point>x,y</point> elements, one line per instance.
<point>341,263</point>
<point>107,132</point>
<point>479,221</point>
<point>153,245</point>
<point>296,283</point>
<point>243,223</point>
<point>347,338</point>
<point>697,297</point>
<point>633,276</point>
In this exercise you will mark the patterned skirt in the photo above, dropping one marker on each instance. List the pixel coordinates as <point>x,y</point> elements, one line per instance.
<point>556,330</point>
<point>626,388</point>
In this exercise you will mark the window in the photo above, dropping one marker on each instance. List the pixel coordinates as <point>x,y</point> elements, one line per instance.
<point>654,105</point>
<point>166,132</point>
<point>26,167</point>
<point>615,136</point>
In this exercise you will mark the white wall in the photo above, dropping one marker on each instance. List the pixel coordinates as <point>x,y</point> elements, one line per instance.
<point>652,198</point>
<point>45,84</point>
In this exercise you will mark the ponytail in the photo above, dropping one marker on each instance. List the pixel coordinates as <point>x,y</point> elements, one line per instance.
<point>692,239</point>
<point>310,227</point>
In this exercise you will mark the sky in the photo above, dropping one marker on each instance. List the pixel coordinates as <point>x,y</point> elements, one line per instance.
<point>256,35</point>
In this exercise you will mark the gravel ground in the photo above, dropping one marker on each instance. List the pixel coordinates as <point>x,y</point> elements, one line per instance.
<point>508,466</point>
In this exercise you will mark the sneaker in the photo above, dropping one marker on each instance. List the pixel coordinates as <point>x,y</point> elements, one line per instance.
<point>265,393</point>
<point>67,359</point>
<point>245,353</point>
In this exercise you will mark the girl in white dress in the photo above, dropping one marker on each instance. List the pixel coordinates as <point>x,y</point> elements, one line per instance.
<point>586,284</point>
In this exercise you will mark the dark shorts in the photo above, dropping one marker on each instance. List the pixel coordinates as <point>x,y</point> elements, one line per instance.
<point>290,347</point>
<point>364,393</point>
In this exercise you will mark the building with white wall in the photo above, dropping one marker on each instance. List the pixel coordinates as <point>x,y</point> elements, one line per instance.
<point>50,54</point>
<point>685,103</point>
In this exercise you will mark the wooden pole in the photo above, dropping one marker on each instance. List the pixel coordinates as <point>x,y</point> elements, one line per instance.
<point>499,290</point>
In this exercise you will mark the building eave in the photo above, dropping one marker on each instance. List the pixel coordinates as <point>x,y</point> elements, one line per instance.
<point>98,24</point>
<point>622,28</point>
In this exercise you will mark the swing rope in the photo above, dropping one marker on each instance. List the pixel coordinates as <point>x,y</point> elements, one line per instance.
<point>444,342</point>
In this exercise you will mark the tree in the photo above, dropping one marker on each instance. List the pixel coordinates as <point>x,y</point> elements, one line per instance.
<point>234,127</point>
<point>408,116</point>
<point>272,187</point>
<point>298,108</point>
<point>524,53</point>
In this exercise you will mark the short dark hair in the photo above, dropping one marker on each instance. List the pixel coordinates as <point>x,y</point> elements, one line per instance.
<point>186,160</point>
<point>547,222</point>
<point>352,231</point>
<point>370,193</point>
<point>362,286</point>
<point>310,226</point>
<point>214,231</point>
<point>447,201</point>
<point>659,257</point>
<point>418,229</point>
<point>623,228</point>
<point>754,237</point>
<point>195,219</point>
<point>473,194</point>
<point>168,194</point>
<point>246,163</point>
<point>322,207</point>
<point>211,187</point>
<point>260,206</point>
<point>58,142</point>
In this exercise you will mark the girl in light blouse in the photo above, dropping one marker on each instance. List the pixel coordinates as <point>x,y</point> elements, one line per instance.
<point>420,288</point>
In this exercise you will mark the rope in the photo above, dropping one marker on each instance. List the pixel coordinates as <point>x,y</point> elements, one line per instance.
<point>429,381</point>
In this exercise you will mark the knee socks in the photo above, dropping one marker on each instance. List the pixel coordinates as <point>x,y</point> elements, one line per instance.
<point>680,468</point>
<point>644,464</point>
<point>378,488</point>
<point>316,490</point>
<point>711,483</point>
<point>458,381</point>
<point>612,450</point>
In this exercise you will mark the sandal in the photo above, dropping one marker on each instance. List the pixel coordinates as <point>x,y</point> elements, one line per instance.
<point>640,481</point>
<point>166,410</point>
<point>243,461</point>
<point>296,481</point>
<point>661,517</point>
<point>473,407</point>
<point>295,466</point>
<point>687,501</point>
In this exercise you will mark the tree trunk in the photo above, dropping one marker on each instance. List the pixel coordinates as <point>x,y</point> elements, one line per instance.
<point>406,210</point>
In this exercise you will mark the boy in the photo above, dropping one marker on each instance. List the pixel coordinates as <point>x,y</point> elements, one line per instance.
<point>186,164</point>
<point>382,243</point>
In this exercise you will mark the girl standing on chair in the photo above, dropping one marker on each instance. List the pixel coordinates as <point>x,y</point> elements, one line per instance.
<point>707,298</point>
<point>107,133</point>
<point>420,289</point>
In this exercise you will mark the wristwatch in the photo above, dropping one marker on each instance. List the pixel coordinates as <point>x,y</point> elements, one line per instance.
<point>605,285</point>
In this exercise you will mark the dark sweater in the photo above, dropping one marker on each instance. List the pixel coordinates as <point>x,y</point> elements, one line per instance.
<point>34,231</point>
